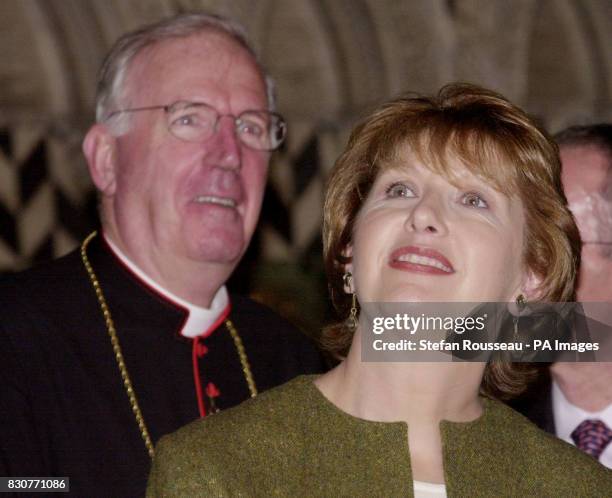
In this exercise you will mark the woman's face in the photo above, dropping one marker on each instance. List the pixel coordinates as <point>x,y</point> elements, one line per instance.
<point>419,237</point>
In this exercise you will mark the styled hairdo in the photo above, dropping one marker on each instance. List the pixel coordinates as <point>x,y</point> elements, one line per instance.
<point>110,89</point>
<point>496,141</point>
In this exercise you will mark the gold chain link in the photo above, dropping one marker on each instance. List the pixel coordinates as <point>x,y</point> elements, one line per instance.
<point>127,382</point>
<point>244,360</point>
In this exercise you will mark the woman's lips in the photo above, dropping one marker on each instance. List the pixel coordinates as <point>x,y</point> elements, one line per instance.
<point>420,260</point>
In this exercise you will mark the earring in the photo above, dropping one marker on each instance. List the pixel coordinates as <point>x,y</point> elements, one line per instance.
<point>347,280</point>
<point>520,304</point>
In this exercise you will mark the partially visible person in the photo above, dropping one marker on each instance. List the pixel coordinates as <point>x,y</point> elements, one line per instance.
<point>134,334</point>
<point>455,197</point>
<point>574,400</point>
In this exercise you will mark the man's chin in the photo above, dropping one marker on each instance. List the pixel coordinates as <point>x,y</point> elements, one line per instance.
<point>215,240</point>
<point>220,250</point>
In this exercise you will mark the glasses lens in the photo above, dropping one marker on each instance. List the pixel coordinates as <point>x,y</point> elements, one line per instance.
<point>261,130</point>
<point>191,121</point>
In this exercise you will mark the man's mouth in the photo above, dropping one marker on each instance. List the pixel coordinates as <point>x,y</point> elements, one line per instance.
<point>213,199</point>
<point>420,259</point>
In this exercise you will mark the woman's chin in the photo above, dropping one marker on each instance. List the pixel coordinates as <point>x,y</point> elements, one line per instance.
<point>413,297</point>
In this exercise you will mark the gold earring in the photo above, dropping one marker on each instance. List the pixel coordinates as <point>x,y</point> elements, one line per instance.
<point>520,304</point>
<point>353,316</point>
<point>352,321</point>
<point>347,280</point>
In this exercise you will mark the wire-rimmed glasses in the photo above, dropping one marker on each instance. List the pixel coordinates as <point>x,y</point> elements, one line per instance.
<point>197,122</point>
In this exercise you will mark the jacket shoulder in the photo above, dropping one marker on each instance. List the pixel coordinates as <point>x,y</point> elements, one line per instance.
<point>552,466</point>
<point>275,414</point>
<point>228,447</point>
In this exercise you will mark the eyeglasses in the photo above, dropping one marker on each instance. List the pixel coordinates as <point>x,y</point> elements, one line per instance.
<point>197,122</point>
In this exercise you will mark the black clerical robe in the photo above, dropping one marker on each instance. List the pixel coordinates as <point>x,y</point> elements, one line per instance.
<point>64,411</point>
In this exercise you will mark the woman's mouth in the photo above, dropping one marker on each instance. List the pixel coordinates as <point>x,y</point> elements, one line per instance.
<point>420,260</point>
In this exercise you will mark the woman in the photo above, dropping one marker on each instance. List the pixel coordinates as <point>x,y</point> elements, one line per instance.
<point>452,198</point>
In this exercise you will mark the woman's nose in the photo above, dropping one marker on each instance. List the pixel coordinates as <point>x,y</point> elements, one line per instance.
<point>427,216</point>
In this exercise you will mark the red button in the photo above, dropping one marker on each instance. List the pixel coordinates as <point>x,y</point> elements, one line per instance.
<point>212,391</point>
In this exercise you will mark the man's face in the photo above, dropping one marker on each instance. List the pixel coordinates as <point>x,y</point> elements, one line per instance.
<point>584,176</point>
<point>177,201</point>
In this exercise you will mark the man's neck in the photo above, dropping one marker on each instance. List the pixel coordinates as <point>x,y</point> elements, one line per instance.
<point>585,385</point>
<point>196,284</point>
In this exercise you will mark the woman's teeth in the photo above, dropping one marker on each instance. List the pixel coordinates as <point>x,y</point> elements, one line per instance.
<point>424,260</point>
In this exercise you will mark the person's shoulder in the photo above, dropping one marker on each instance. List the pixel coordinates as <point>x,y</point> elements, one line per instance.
<point>34,304</point>
<point>264,330</point>
<point>41,291</point>
<point>545,458</point>
<point>41,278</point>
<point>257,443</point>
<point>271,414</point>
<point>247,310</point>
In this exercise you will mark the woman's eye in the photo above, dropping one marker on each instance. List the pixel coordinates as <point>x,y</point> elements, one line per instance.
<point>399,190</point>
<point>472,199</point>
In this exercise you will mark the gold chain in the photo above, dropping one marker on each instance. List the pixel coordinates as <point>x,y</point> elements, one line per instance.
<point>244,361</point>
<point>127,382</point>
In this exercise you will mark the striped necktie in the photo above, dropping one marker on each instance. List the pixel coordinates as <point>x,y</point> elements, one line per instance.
<point>592,437</point>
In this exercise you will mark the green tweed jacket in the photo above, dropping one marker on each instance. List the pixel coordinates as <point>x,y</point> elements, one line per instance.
<point>292,442</point>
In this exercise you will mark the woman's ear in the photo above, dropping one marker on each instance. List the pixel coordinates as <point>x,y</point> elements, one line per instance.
<point>530,287</point>
<point>99,147</point>
<point>349,286</point>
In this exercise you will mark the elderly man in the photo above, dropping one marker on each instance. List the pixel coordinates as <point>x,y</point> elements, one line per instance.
<point>134,335</point>
<point>577,404</point>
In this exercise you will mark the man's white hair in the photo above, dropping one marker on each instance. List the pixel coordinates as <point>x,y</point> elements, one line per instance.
<point>111,93</point>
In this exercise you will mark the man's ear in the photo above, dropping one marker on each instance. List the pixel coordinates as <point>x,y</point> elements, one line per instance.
<point>99,147</point>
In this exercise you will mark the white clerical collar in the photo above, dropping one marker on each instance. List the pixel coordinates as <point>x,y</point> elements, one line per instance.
<point>200,321</point>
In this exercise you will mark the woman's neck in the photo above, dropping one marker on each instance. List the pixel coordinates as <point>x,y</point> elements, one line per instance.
<point>412,392</point>
<point>420,394</point>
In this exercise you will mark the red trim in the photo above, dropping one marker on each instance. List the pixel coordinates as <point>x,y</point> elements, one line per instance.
<point>220,319</point>
<point>194,343</point>
<point>194,357</point>
<point>196,376</point>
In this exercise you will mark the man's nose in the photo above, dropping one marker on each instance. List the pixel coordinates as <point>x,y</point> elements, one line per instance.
<point>427,216</point>
<point>226,145</point>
